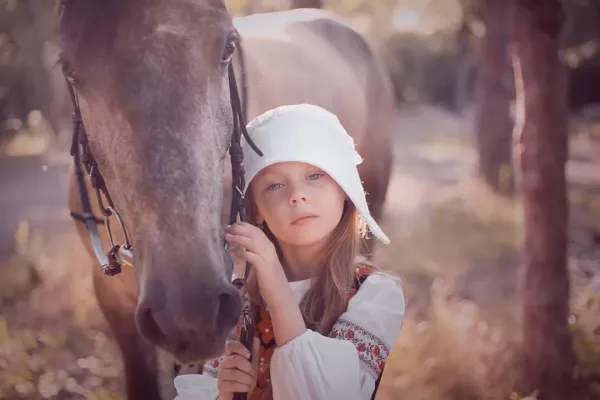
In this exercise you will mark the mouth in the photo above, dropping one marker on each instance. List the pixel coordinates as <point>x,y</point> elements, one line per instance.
<point>303,219</point>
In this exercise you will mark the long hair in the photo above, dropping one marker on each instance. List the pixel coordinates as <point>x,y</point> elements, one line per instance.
<point>327,297</point>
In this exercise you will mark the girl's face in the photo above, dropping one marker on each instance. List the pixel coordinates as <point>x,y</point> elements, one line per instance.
<point>300,203</point>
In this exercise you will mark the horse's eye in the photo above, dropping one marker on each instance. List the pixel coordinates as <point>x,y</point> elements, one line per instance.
<point>228,52</point>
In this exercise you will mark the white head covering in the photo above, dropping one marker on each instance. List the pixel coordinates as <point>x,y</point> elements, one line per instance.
<point>310,134</point>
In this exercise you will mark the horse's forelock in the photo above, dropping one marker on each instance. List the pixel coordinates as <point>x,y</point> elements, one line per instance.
<point>89,27</point>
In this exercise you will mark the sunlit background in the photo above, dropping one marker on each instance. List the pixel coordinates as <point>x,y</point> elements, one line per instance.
<point>456,243</point>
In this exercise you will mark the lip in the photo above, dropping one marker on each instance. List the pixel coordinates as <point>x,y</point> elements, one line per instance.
<point>304,217</point>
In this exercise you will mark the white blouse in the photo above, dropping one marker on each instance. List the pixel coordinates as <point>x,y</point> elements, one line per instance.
<point>344,365</point>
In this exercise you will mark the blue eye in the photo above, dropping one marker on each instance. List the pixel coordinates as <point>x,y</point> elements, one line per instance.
<point>274,186</point>
<point>315,176</point>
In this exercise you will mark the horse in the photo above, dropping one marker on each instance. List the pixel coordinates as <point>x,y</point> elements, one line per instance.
<point>151,85</point>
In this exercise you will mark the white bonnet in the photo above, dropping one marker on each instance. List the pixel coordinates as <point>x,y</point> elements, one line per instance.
<point>310,134</point>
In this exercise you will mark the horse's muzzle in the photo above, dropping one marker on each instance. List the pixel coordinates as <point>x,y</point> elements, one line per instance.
<point>191,327</point>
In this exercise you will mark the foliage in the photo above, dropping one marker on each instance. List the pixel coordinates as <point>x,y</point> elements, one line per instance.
<point>52,343</point>
<point>423,69</point>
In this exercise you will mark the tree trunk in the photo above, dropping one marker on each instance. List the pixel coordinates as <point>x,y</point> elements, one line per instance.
<point>307,4</point>
<point>541,149</point>
<point>493,124</point>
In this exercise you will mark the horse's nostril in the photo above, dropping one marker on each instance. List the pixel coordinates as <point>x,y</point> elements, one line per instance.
<point>149,327</point>
<point>230,307</point>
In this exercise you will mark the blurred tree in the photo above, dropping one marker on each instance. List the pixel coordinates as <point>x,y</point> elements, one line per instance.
<point>28,77</point>
<point>580,49</point>
<point>541,150</point>
<point>492,121</point>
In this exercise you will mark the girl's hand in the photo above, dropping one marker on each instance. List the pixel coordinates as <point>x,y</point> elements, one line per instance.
<point>261,253</point>
<point>273,285</point>
<point>236,372</point>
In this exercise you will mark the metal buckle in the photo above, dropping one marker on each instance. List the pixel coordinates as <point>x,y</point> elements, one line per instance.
<point>114,262</point>
<point>118,254</point>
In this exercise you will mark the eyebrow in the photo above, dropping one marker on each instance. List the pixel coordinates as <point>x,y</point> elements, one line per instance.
<point>270,176</point>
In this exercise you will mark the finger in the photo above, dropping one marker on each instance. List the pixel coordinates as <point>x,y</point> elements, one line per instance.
<point>235,249</point>
<point>248,230</point>
<point>249,227</point>
<point>259,241</point>
<point>244,241</point>
<point>241,228</point>
<point>255,253</point>
<point>253,258</point>
<point>236,362</point>
<point>237,376</point>
<point>235,347</point>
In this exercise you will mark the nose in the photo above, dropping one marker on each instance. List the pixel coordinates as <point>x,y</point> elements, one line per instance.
<point>192,323</point>
<point>297,194</point>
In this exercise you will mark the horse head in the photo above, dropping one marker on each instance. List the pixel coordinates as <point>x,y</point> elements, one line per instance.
<point>151,79</point>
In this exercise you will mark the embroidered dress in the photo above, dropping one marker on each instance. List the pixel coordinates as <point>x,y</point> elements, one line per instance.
<point>344,365</point>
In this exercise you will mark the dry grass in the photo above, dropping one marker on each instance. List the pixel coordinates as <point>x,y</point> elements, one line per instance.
<point>53,341</point>
<point>450,346</point>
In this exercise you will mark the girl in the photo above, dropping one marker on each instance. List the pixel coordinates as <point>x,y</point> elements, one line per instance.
<point>328,320</point>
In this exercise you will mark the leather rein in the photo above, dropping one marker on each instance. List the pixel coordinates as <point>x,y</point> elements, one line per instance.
<point>119,255</point>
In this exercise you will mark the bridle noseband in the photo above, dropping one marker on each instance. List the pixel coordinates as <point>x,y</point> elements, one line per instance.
<point>119,255</point>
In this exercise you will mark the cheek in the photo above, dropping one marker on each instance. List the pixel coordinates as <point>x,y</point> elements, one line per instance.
<point>268,207</point>
<point>336,205</point>
<point>335,198</point>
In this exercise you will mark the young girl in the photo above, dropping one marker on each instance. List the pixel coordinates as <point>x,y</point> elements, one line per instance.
<point>328,320</point>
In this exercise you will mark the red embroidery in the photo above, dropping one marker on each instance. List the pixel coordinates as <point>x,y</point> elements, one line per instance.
<point>372,351</point>
<point>212,366</point>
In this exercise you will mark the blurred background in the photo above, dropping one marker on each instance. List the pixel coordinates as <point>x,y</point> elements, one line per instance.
<point>451,211</point>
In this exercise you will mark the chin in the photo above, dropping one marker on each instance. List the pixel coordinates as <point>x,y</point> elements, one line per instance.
<point>306,239</point>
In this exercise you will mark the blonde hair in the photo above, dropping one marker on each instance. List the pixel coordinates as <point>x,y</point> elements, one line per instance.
<point>328,296</point>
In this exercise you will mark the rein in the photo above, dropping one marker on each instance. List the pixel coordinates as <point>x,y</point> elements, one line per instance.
<point>119,255</point>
